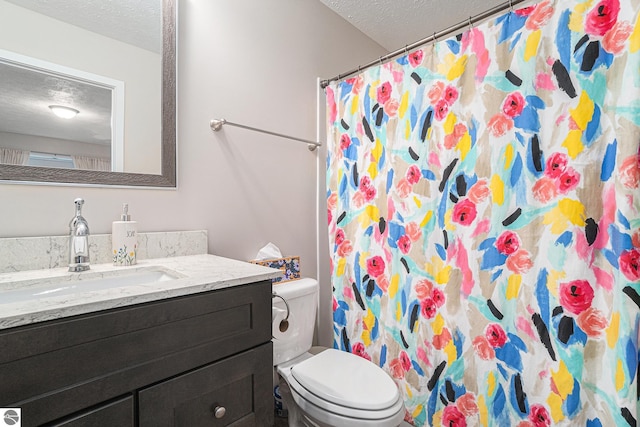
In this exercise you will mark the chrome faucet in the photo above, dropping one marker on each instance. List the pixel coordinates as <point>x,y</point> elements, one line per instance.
<point>78,240</point>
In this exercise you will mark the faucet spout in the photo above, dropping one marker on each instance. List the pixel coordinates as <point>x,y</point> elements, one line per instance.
<point>78,240</point>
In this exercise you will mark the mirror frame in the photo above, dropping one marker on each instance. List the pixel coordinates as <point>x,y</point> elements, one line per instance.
<point>167,178</point>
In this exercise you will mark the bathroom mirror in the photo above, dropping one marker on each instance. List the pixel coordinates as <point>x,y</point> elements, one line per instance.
<point>160,153</point>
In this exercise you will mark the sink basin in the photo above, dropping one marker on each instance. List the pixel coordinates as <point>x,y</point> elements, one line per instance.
<point>83,282</point>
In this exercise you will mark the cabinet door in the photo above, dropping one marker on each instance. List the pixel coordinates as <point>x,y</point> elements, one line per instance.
<point>232,392</point>
<point>117,413</point>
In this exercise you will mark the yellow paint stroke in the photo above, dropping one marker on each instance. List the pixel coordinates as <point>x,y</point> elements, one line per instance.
<point>373,89</point>
<point>583,113</point>
<point>342,262</point>
<point>531,46</point>
<point>355,104</point>
<point>613,330</point>
<point>407,130</point>
<point>508,156</point>
<point>458,68</point>
<point>369,320</point>
<point>407,391</point>
<point>448,224</point>
<point>394,285</point>
<point>449,123</point>
<point>483,411</point>
<point>438,324</point>
<point>513,286</point>
<point>417,202</point>
<point>573,143</point>
<point>553,281</point>
<point>417,411</point>
<point>464,145</point>
<point>438,270</point>
<point>399,311</point>
<point>563,380</point>
<point>373,213</point>
<point>404,104</point>
<point>491,384</point>
<point>576,19</point>
<point>568,210</point>
<point>634,38</point>
<point>555,405</point>
<point>451,352</point>
<point>497,190</point>
<point>366,337</point>
<point>620,376</point>
<point>426,219</point>
<point>373,170</point>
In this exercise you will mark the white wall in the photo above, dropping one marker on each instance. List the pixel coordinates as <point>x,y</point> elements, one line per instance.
<point>253,62</point>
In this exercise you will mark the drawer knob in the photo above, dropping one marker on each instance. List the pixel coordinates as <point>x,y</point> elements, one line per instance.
<point>219,411</point>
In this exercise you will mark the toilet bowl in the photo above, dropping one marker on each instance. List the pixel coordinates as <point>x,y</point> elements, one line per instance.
<point>331,387</point>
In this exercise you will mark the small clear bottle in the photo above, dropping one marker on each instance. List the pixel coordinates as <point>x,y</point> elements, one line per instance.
<point>124,239</point>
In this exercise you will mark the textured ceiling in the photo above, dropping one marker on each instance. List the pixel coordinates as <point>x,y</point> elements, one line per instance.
<point>394,24</point>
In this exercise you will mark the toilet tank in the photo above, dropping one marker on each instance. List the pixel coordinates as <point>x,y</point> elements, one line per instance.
<point>302,297</point>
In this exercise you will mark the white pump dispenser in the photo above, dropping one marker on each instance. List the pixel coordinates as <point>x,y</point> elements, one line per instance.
<point>124,239</point>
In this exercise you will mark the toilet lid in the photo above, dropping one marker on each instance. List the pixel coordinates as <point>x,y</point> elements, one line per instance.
<point>347,380</point>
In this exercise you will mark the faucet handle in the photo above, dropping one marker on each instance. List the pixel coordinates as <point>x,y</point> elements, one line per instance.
<point>79,201</point>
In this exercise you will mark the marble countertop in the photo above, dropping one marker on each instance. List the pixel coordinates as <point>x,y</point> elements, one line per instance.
<point>195,273</point>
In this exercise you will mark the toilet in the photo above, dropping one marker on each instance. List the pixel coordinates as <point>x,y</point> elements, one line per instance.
<point>330,387</point>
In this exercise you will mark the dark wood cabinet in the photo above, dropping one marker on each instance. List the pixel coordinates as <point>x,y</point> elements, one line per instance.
<point>166,363</point>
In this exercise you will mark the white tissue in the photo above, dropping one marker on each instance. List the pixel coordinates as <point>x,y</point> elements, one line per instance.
<point>277,317</point>
<point>270,251</point>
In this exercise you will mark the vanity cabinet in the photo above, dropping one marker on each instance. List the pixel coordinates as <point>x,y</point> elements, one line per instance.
<point>201,359</point>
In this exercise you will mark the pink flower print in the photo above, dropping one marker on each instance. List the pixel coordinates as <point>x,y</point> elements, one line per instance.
<point>602,17</point>
<point>568,180</point>
<point>441,340</point>
<point>452,417</point>
<point>397,371</point>
<point>365,181</point>
<point>344,249</point>
<point>415,58</point>
<point>429,308</point>
<point>508,242</point>
<point>413,174</point>
<point>525,11</point>
<point>359,350</point>
<point>339,236</point>
<point>614,40</point>
<point>450,94</point>
<point>423,289</point>
<point>513,104</point>
<point>412,230</point>
<point>391,107</point>
<point>358,199</point>
<point>404,244</point>
<point>630,264</point>
<point>544,189</point>
<point>441,109</point>
<point>329,217</point>
<point>479,191</point>
<point>345,141</point>
<point>630,171</point>
<point>435,93</point>
<point>482,347</point>
<point>383,283</point>
<point>405,361</point>
<point>375,266</point>
<point>438,297</point>
<point>496,336</point>
<point>539,16</point>
<point>592,322</point>
<point>404,188</point>
<point>452,139</point>
<point>467,404</point>
<point>539,416</point>
<point>556,165</point>
<point>464,212</point>
<point>370,193</point>
<point>576,296</point>
<point>499,125</point>
<point>635,238</point>
<point>519,262</point>
<point>384,92</point>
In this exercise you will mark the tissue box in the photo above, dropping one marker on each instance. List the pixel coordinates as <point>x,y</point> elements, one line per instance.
<point>290,267</point>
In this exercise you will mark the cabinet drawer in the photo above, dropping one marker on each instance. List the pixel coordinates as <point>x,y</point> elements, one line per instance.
<point>240,384</point>
<point>118,413</point>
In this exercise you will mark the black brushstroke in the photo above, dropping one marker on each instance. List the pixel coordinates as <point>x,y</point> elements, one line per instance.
<point>581,42</point>
<point>365,278</point>
<point>461,185</point>
<point>536,153</point>
<point>631,293</point>
<point>451,394</point>
<point>379,117</point>
<point>512,218</point>
<point>367,129</point>
<point>404,342</point>
<point>543,333</point>
<point>443,399</point>
<point>355,176</point>
<point>436,375</point>
<point>382,225</point>
<point>557,310</point>
<point>628,417</point>
<point>590,56</point>
<point>446,174</point>
<point>520,394</point>
<point>565,329</point>
<point>453,198</point>
<point>406,266</point>
<point>416,77</point>
<point>426,125</point>
<point>413,154</point>
<point>591,230</point>
<point>494,310</point>
<point>371,286</point>
<point>341,217</point>
<point>375,108</point>
<point>344,124</point>
<point>356,293</point>
<point>515,80</point>
<point>414,317</point>
<point>459,37</point>
<point>446,239</point>
<point>345,339</point>
<point>564,79</point>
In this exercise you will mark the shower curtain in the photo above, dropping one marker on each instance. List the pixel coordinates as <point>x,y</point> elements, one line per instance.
<point>484,219</point>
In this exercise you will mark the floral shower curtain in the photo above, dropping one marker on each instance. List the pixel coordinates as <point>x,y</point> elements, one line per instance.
<point>484,219</point>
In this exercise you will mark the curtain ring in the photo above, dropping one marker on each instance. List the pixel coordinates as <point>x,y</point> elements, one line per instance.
<point>406,49</point>
<point>435,39</point>
<point>470,24</point>
<point>510,5</point>
<point>381,61</point>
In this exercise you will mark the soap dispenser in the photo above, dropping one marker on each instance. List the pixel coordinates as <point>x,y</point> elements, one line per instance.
<point>124,239</point>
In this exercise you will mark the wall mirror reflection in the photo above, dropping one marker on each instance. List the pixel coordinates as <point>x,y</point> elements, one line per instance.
<point>110,68</point>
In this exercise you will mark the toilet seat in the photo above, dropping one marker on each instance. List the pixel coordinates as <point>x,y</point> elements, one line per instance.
<point>330,385</point>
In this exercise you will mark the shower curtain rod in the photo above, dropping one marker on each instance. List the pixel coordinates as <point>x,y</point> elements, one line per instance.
<point>216,125</point>
<point>446,32</point>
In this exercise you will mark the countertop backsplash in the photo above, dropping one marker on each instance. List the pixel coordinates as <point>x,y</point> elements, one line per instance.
<point>36,253</point>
